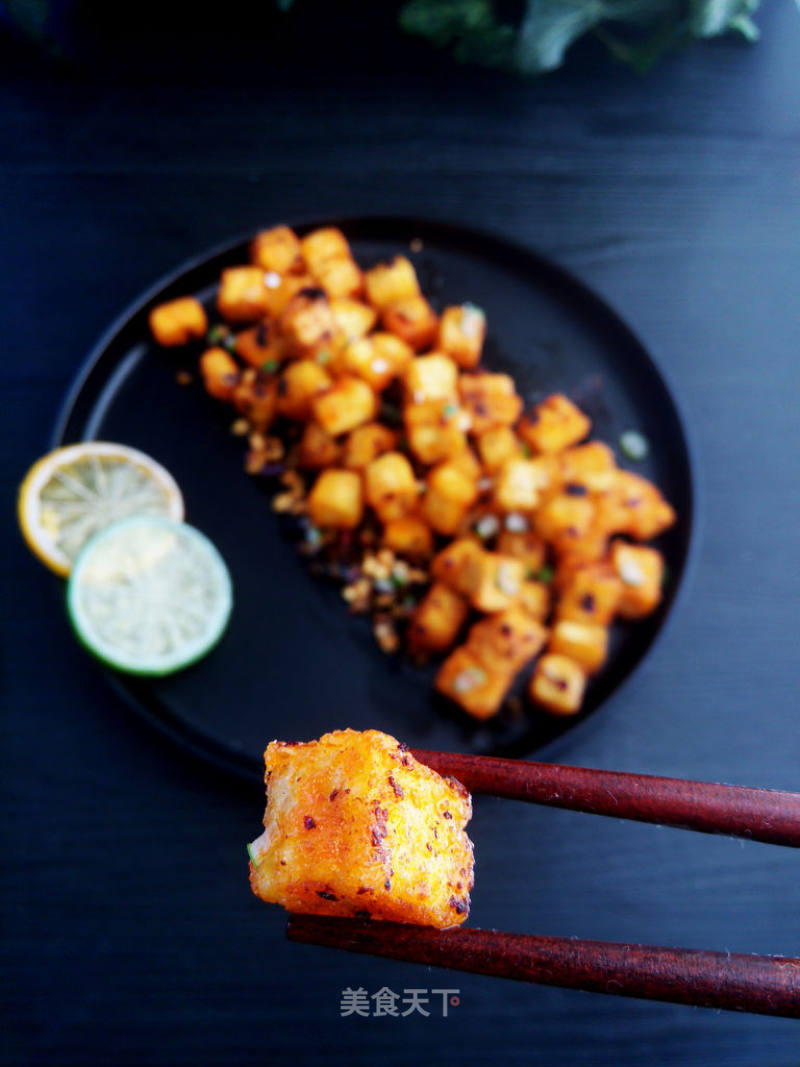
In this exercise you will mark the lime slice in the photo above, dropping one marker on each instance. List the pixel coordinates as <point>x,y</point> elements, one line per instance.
<point>149,595</point>
<point>71,493</point>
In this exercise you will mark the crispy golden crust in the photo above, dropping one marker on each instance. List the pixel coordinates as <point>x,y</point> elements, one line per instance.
<point>355,826</point>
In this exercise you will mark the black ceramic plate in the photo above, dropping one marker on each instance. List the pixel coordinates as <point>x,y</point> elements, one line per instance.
<point>294,663</point>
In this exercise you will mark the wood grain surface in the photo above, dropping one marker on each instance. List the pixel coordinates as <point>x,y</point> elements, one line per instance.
<point>129,932</point>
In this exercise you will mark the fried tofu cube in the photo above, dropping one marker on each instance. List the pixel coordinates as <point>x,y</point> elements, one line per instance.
<point>553,425</point>
<point>525,545</point>
<point>558,684</point>
<point>336,500</point>
<point>307,322</point>
<point>300,384</point>
<point>490,400</point>
<point>467,462</point>
<point>317,449</point>
<point>409,536</point>
<point>591,465</point>
<point>322,245</point>
<point>388,283</point>
<point>339,277</point>
<point>449,496</point>
<point>348,404</point>
<point>497,446</point>
<point>565,514</point>
<point>378,359</point>
<point>279,291</point>
<point>464,679</point>
<point>413,320</point>
<point>242,295</point>
<point>434,430</point>
<point>583,642</point>
<point>575,548</point>
<point>452,564</point>
<point>220,373</point>
<point>353,318</point>
<point>591,594</point>
<point>431,377</point>
<point>277,250</point>
<point>462,331</point>
<point>437,620</point>
<point>259,345</point>
<point>366,443</point>
<point>491,581</point>
<point>178,322</point>
<point>634,506</point>
<point>641,572</point>
<point>520,483</point>
<point>256,397</point>
<point>505,642</point>
<point>535,598</point>
<point>355,826</point>
<point>391,486</point>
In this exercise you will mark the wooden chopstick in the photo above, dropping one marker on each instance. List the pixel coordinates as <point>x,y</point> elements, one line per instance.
<point>758,814</point>
<point>765,985</point>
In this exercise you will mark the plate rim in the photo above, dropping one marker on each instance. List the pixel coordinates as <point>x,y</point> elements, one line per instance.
<point>206,747</point>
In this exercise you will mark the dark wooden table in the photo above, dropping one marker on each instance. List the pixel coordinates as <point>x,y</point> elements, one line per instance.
<point>130,935</point>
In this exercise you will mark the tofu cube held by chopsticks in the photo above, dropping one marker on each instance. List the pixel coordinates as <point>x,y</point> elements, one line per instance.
<point>355,826</point>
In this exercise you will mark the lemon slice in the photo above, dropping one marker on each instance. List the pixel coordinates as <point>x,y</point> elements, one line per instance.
<point>72,493</point>
<point>149,595</point>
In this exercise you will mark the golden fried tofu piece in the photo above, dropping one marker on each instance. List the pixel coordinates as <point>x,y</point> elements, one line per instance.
<point>462,330</point>
<point>498,445</point>
<point>352,317</point>
<point>337,500</point>
<point>339,277</point>
<point>178,322</point>
<point>491,581</point>
<point>242,295</point>
<point>349,404</point>
<point>300,384</point>
<point>525,544</point>
<point>434,430</point>
<point>413,320</point>
<point>505,642</point>
<point>435,624</point>
<point>554,424</point>
<point>558,684</point>
<point>366,443</point>
<point>432,377</point>
<point>634,506</point>
<point>322,245</point>
<point>590,594</point>
<point>491,400</point>
<point>449,496</point>
<point>391,486</point>
<point>220,373</point>
<point>583,642</point>
<point>355,826</point>
<point>641,571</point>
<point>277,250</point>
<point>520,483</point>
<point>453,564</point>
<point>409,536</point>
<point>386,283</point>
<point>465,680</point>
<point>259,346</point>
<point>307,322</point>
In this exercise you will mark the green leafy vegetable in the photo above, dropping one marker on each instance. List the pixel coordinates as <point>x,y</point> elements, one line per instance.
<point>637,32</point>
